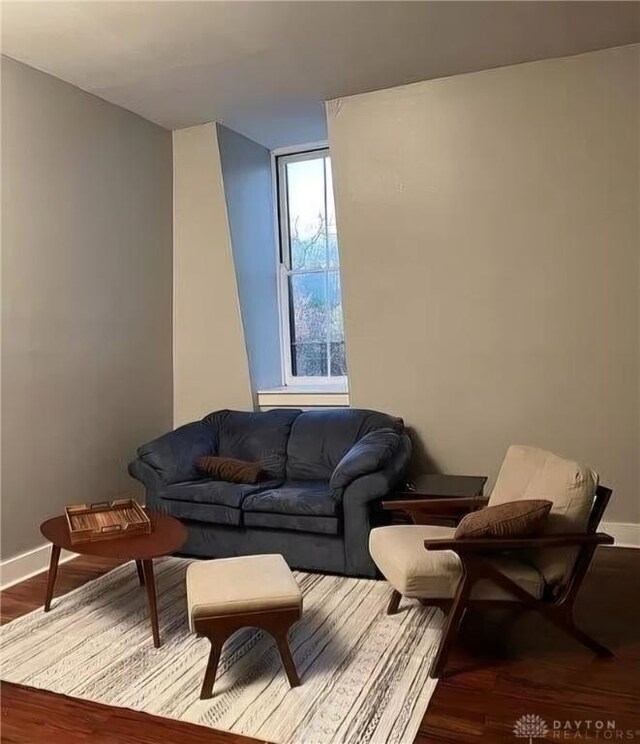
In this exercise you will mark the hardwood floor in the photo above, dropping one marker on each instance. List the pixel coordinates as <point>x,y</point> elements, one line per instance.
<point>508,671</point>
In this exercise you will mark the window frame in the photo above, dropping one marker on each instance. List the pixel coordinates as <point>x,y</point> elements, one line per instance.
<point>279,159</point>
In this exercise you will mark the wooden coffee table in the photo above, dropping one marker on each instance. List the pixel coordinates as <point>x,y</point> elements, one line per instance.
<point>166,537</point>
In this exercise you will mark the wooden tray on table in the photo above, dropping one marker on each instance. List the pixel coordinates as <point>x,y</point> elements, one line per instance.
<point>105,521</point>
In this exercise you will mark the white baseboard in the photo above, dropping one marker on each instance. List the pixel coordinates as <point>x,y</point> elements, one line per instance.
<point>626,534</point>
<point>32,562</point>
<point>24,565</point>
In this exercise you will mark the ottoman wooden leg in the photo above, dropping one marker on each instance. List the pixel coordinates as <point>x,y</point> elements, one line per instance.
<point>394,602</point>
<point>206,691</point>
<point>287,660</point>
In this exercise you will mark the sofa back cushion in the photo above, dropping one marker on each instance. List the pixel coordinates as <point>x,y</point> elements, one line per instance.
<point>259,437</point>
<point>320,439</point>
<point>531,473</point>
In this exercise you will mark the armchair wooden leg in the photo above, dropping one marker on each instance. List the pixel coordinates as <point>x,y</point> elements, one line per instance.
<point>394,602</point>
<point>564,620</point>
<point>560,614</point>
<point>451,626</point>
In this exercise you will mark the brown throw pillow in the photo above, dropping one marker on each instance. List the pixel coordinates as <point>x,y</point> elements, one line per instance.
<point>512,519</point>
<point>228,469</point>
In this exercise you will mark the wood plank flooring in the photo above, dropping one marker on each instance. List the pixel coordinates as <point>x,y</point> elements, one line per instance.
<point>528,668</point>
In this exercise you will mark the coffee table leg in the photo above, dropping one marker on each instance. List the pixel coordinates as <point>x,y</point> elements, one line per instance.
<point>140,572</point>
<point>150,583</point>
<point>51,579</point>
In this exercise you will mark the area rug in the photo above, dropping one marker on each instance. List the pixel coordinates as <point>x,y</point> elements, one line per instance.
<point>363,673</point>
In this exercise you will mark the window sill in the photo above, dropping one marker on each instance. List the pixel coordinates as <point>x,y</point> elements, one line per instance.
<point>305,396</point>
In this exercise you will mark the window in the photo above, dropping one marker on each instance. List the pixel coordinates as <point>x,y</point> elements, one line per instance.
<point>312,326</point>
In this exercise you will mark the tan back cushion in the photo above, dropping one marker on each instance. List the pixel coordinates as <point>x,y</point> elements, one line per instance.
<point>531,473</point>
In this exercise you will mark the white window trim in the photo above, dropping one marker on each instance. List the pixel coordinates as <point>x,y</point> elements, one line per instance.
<point>289,380</point>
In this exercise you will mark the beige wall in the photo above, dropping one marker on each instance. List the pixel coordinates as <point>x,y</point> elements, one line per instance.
<point>86,297</point>
<point>489,234</point>
<point>210,358</point>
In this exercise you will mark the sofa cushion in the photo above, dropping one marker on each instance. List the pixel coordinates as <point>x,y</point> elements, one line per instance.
<point>302,506</point>
<point>368,455</point>
<point>306,498</point>
<point>320,439</point>
<point>214,492</point>
<point>173,455</point>
<point>254,436</point>
<point>201,512</point>
<point>294,522</point>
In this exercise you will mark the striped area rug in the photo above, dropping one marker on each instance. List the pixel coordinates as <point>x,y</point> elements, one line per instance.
<point>364,674</point>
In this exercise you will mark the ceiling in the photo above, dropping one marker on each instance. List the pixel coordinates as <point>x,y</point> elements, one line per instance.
<point>264,68</point>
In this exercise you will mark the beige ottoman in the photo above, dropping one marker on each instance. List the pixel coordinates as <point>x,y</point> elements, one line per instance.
<point>227,594</point>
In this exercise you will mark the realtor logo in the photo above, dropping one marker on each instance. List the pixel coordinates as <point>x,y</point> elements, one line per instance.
<point>530,727</point>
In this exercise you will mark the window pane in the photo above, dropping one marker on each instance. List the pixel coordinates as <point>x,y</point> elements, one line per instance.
<point>338,360</point>
<point>307,217</point>
<point>336,324</point>
<point>308,307</point>
<point>332,230</point>
<point>309,360</point>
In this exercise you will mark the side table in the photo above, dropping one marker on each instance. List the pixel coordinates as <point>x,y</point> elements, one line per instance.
<point>435,486</point>
<point>166,537</point>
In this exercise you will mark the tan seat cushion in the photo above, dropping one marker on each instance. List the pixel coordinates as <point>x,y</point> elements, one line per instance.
<point>531,473</point>
<point>414,571</point>
<point>228,586</point>
<point>511,519</point>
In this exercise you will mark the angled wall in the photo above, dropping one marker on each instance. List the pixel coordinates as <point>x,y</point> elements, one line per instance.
<point>210,363</point>
<point>246,174</point>
<point>86,297</point>
<point>489,238</point>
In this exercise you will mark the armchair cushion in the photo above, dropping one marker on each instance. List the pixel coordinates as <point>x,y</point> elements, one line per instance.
<point>399,553</point>
<point>532,473</point>
<point>368,455</point>
<point>511,519</point>
<point>173,456</point>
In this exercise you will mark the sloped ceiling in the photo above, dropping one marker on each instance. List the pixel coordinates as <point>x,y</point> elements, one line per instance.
<point>264,68</point>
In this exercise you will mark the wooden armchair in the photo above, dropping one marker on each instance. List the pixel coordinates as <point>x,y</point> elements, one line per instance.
<point>542,573</point>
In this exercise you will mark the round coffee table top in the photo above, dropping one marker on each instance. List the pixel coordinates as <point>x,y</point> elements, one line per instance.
<point>167,536</point>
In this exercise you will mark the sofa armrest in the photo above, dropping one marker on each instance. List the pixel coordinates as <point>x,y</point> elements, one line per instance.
<point>144,473</point>
<point>376,485</point>
<point>369,455</point>
<point>360,503</point>
<point>173,455</point>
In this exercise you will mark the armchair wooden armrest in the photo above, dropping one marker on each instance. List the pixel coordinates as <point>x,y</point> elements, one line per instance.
<point>484,544</point>
<point>437,507</point>
<point>436,511</point>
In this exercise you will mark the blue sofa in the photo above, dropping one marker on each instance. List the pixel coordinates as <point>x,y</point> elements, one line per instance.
<point>326,474</point>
